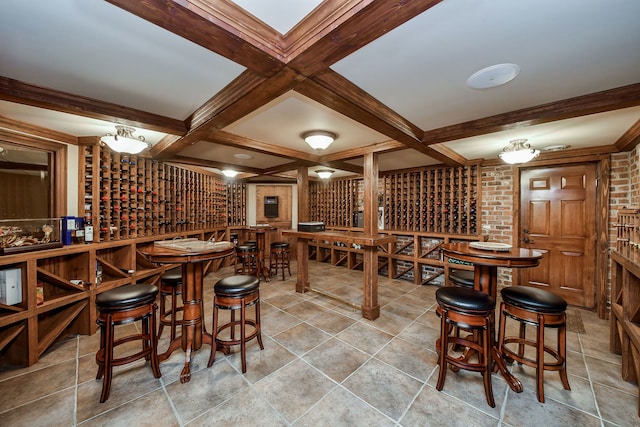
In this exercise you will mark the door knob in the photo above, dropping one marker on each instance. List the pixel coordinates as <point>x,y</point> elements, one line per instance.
<point>527,240</point>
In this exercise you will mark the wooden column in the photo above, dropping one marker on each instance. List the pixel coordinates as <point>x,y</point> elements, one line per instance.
<point>302,245</point>
<point>370,306</point>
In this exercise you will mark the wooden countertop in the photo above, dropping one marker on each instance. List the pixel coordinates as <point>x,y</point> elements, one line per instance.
<point>350,237</point>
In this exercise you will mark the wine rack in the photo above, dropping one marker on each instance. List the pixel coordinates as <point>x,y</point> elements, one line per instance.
<point>628,234</point>
<point>125,196</point>
<point>334,202</point>
<point>434,200</point>
<point>236,204</point>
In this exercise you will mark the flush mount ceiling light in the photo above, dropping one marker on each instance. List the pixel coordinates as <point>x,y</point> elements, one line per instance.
<point>325,173</point>
<point>243,156</point>
<point>495,75</point>
<point>124,141</point>
<point>518,151</point>
<point>229,173</point>
<point>319,139</point>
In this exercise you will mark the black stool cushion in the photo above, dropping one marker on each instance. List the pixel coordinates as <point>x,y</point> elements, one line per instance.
<point>246,248</point>
<point>236,285</point>
<point>533,299</point>
<point>464,299</point>
<point>251,243</point>
<point>461,278</point>
<point>126,297</point>
<point>173,276</point>
<point>280,245</point>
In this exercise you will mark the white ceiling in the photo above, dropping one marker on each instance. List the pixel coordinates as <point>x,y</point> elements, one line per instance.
<point>565,49</point>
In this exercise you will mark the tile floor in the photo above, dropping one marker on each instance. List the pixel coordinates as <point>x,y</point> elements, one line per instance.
<point>323,365</point>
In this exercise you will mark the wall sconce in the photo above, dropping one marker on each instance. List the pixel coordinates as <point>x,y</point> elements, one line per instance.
<point>124,141</point>
<point>518,151</point>
<point>319,139</point>
<point>229,173</point>
<point>325,173</point>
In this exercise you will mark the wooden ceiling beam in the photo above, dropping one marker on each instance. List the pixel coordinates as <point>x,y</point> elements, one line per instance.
<point>23,128</point>
<point>338,28</point>
<point>213,164</point>
<point>221,27</point>
<point>599,102</point>
<point>36,96</point>
<point>236,100</point>
<point>630,139</point>
<point>229,139</point>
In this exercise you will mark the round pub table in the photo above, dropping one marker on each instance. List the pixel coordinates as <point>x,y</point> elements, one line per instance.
<point>192,260</point>
<point>486,263</point>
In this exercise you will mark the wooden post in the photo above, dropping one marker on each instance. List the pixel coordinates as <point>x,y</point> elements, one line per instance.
<point>370,306</point>
<point>302,245</point>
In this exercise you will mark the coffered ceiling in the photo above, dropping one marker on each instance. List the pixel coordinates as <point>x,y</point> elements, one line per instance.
<point>204,81</point>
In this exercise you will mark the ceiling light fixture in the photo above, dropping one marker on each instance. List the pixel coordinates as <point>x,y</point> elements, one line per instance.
<point>229,173</point>
<point>495,75</point>
<point>325,173</point>
<point>518,151</point>
<point>319,139</point>
<point>124,142</point>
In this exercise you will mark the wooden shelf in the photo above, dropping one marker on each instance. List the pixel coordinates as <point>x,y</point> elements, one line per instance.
<point>625,314</point>
<point>29,328</point>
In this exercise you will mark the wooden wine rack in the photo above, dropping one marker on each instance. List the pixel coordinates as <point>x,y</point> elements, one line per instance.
<point>237,204</point>
<point>434,200</point>
<point>125,196</point>
<point>334,202</point>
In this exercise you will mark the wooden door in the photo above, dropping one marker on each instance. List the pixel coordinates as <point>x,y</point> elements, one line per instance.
<point>557,218</point>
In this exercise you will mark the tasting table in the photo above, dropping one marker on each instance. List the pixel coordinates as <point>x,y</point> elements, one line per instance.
<point>486,263</point>
<point>370,307</point>
<point>193,333</point>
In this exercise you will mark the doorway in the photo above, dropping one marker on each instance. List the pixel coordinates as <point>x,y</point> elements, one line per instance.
<point>557,218</point>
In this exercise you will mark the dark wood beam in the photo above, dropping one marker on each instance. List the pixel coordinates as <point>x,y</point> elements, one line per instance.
<point>213,164</point>
<point>229,139</point>
<point>36,96</point>
<point>239,98</point>
<point>221,27</point>
<point>17,126</point>
<point>630,139</point>
<point>340,27</point>
<point>599,102</point>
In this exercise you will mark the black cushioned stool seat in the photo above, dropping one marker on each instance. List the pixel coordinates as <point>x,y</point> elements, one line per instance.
<point>471,310</point>
<point>246,259</point>
<point>118,306</point>
<point>236,293</point>
<point>279,258</point>
<point>462,278</point>
<point>542,309</point>
<point>170,286</point>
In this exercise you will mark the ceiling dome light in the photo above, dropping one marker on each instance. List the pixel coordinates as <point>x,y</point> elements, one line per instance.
<point>495,75</point>
<point>124,141</point>
<point>319,139</point>
<point>518,151</point>
<point>229,173</point>
<point>325,173</point>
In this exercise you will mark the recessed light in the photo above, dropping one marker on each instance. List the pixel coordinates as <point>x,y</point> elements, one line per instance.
<point>243,156</point>
<point>495,75</point>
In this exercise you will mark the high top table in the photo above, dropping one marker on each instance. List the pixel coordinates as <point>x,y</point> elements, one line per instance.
<point>486,263</point>
<point>192,260</point>
<point>260,231</point>
<point>370,307</point>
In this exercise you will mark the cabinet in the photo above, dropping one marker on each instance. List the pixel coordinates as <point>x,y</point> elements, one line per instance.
<point>59,287</point>
<point>126,196</point>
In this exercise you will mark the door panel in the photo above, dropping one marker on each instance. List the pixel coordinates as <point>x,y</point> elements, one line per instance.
<point>557,207</point>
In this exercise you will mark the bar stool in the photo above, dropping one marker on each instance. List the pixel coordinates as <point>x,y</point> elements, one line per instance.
<point>279,258</point>
<point>119,306</point>
<point>463,278</point>
<point>236,293</point>
<point>246,259</point>
<point>170,286</point>
<point>472,310</point>
<point>542,309</point>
